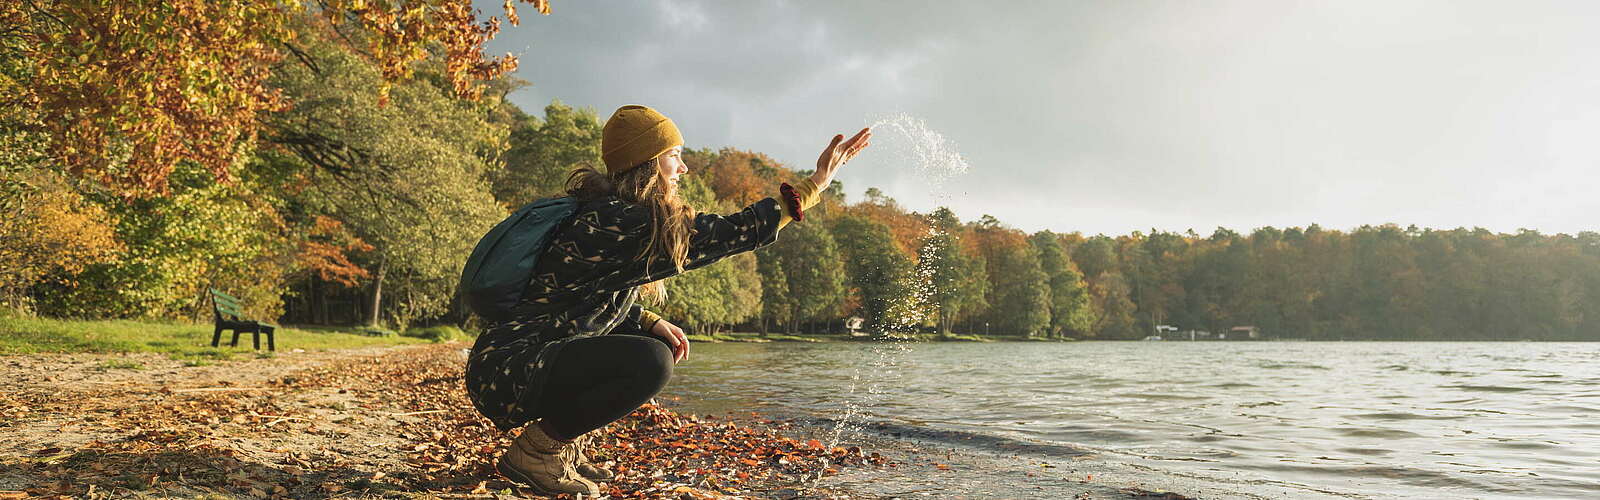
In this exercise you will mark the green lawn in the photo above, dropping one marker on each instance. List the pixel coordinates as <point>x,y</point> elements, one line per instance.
<point>20,335</point>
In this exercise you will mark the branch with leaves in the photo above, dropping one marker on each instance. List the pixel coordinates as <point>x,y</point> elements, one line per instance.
<point>126,89</point>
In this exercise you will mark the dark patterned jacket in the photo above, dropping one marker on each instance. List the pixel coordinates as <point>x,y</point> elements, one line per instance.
<point>585,285</point>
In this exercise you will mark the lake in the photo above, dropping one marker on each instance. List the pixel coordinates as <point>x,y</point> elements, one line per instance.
<point>1265,419</point>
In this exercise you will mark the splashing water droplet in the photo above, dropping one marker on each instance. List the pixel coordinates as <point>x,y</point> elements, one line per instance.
<point>936,160</point>
<point>924,149</point>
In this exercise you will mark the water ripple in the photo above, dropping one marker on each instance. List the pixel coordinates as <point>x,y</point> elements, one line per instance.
<point>1216,419</point>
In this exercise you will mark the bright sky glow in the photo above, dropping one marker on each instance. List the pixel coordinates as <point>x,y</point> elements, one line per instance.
<point>1115,116</point>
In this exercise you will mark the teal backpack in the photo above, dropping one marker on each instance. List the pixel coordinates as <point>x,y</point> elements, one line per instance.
<point>501,265</point>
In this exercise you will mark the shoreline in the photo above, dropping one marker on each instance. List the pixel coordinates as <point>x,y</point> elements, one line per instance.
<point>746,337</point>
<point>743,337</point>
<point>332,424</point>
<point>929,463</point>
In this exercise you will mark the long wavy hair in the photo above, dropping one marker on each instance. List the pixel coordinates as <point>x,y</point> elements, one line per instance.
<point>643,185</point>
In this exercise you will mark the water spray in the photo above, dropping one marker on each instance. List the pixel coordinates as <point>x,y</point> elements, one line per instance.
<point>936,159</point>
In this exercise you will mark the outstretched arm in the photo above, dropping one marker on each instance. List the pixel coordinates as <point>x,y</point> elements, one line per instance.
<point>714,237</point>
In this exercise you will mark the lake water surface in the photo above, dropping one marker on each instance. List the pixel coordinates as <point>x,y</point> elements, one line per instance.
<point>1344,419</point>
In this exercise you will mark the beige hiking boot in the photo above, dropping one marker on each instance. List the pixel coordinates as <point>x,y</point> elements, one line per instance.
<point>540,462</point>
<point>581,463</point>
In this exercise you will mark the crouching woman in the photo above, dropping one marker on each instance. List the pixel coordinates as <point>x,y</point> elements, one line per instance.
<point>581,352</point>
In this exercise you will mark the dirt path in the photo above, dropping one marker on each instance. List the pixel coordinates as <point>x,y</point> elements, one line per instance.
<point>378,422</point>
<point>83,429</point>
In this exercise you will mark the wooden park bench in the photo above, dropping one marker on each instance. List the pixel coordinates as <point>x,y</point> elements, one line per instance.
<point>228,318</point>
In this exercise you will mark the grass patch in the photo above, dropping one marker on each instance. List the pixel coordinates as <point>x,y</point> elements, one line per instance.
<point>753,337</point>
<point>957,337</point>
<point>119,364</point>
<point>718,337</point>
<point>779,337</point>
<point>442,333</point>
<point>771,337</point>
<point>373,331</point>
<point>191,342</point>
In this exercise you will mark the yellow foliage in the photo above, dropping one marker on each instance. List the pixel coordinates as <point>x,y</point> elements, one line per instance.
<point>127,89</point>
<point>55,232</point>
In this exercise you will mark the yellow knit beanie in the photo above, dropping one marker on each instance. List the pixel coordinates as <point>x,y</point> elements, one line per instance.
<point>634,135</point>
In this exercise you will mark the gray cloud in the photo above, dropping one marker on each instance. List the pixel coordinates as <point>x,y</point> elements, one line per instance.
<point>1116,116</point>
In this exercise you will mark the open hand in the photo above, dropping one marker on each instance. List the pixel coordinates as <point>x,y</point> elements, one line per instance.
<point>838,152</point>
<point>674,338</point>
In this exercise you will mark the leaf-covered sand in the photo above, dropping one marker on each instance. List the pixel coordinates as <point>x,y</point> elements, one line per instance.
<point>377,422</point>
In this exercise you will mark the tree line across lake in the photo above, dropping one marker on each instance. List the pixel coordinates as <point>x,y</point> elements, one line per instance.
<point>355,195</point>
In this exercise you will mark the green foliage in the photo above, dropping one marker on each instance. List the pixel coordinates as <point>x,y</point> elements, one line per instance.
<point>544,151</point>
<point>409,177</point>
<point>776,303</point>
<point>203,234</point>
<point>724,293</point>
<point>1375,282</point>
<point>23,143</point>
<point>810,269</point>
<point>1095,256</point>
<point>875,268</point>
<point>1069,296</point>
<point>1113,308</point>
<point>1019,294</point>
<point>959,280</point>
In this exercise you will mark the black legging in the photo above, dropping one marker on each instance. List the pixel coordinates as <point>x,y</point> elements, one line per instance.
<point>596,380</point>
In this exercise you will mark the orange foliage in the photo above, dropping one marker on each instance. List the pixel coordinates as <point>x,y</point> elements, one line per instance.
<point>401,31</point>
<point>908,229</point>
<point>989,240</point>
<point>329,257</point>
<point>126,89</point>
<point>743,177</point>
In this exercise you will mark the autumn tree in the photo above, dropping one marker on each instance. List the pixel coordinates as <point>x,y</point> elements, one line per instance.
<point>125,90</point>
<point>409,177</point>
<point>813,271</point>
<point>50,232</point>
<point>1069,294</point>
<point>776,305</point>
<point>737,176</point>
<point>201,235</point>
<point>875,267</point>
<point>908,229</point>
<point>959,279</point>
<point>1019,294</point>
<point>1112,307</point>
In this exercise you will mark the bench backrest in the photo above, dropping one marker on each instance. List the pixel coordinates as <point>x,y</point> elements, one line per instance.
<point>225,305</point>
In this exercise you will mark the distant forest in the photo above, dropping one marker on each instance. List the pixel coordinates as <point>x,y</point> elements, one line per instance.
<point>356,197</point>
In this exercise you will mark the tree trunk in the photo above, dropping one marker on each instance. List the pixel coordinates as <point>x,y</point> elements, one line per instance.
<point>377,292</point>
<point>319,301</point>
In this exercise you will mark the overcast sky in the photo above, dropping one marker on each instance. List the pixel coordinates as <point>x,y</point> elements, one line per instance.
<point>1109,117</point>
